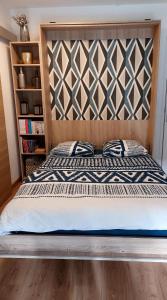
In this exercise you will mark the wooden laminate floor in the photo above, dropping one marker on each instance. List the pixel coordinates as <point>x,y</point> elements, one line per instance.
<point>22,279</point>
<point>28,279</point>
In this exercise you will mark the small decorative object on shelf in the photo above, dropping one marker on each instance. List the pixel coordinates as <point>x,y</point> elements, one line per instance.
<point>26,57</point>
<point>40,150</point>
<point>38,109</point>
<point>36,81</point>
<point>21,79</point>
<point>24,108</point>
<point>23,23</point>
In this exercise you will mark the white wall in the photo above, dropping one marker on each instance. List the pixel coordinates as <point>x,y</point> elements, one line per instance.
<point>5,19</point>
<point>110,13</point>
<point>89,14</point>
<point>7,90</point>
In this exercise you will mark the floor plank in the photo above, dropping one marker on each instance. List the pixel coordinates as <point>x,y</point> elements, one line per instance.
<point>22,279</point>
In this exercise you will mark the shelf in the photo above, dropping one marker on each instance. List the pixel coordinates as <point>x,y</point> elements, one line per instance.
<point>33,96</point>
<point>28,90</point>
<point>30,116</point>
<point>33,153</point>
<point>19,43</point>
<point>32,134</point>
<point>26,65</point>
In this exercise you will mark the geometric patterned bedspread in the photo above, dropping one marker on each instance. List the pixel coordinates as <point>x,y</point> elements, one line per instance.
<point>90,194</point>
<point>97,176</point>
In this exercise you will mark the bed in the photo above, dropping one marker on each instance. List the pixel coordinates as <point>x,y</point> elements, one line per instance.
<point>91,195</point>
<point>70,201</point>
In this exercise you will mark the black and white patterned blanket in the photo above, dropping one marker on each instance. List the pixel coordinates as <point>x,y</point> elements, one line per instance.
<point>95,193</point>
<point>97,176</point>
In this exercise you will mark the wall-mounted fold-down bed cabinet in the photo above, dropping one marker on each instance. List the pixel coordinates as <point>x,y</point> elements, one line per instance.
<point>5,177</point>
<point>99,82</point>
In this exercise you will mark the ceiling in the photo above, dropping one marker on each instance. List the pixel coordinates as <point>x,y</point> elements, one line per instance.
<point>53,3</point>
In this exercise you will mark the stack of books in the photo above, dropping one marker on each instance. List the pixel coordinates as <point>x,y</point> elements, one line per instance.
<point>29,146</point>
<point>27,126</point>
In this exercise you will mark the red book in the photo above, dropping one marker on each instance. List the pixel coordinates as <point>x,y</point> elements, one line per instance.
<point>25,146</point>
<point>26,121</point>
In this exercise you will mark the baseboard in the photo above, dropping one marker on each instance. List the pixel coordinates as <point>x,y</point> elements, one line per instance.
<point>15,183</point>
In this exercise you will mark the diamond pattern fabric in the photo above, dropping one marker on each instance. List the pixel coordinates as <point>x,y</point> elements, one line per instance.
<point>100,79</point>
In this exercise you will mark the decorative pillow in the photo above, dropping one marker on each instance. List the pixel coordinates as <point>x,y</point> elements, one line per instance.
<point>73,148</point>
<point>122,148</point>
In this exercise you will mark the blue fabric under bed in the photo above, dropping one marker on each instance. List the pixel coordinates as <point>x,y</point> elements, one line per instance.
<point>112,232</point>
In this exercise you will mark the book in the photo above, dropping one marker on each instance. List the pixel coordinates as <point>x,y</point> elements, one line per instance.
<point>29,146</point>
<point>27,126</point>
<point>38,127</point>
<point>22,126</point>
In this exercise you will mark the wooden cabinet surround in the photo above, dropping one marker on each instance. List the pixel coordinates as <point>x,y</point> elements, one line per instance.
<point>31,96</point>
<point>5,179</point>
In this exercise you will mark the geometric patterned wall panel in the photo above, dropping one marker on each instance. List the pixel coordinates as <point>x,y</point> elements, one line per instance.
<point>100,79</point>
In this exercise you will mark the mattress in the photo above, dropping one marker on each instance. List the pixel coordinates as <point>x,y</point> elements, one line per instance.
<point>93,195</point>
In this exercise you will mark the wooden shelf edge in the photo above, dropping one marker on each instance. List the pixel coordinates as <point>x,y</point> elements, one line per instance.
<point>26,65</point>
<point>31,134</point>
<point>28,90</point>
<point>30,116</point>
<point>20,43</point>
<point>82,25</point>
<point>33,153</point>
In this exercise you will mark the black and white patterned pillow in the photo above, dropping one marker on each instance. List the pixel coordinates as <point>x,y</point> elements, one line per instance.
<point>120,148</point>
<point>73,148</point>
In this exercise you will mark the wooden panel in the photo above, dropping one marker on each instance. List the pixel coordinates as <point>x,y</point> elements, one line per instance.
<point>99,30</point>
<point>52,26</point>
<point>93,34</point>
<point>13,56</point>
<point>99,132</point>
<point>84,247</point>
<point>45,89</point>
<point>155,68</point>
<point>5,179</point>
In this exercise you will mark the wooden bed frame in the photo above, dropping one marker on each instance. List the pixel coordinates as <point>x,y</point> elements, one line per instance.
<point>92,247</point>
<point>83,247</point>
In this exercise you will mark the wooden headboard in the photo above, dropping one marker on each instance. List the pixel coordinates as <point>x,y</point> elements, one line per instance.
<point>99,131</point>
